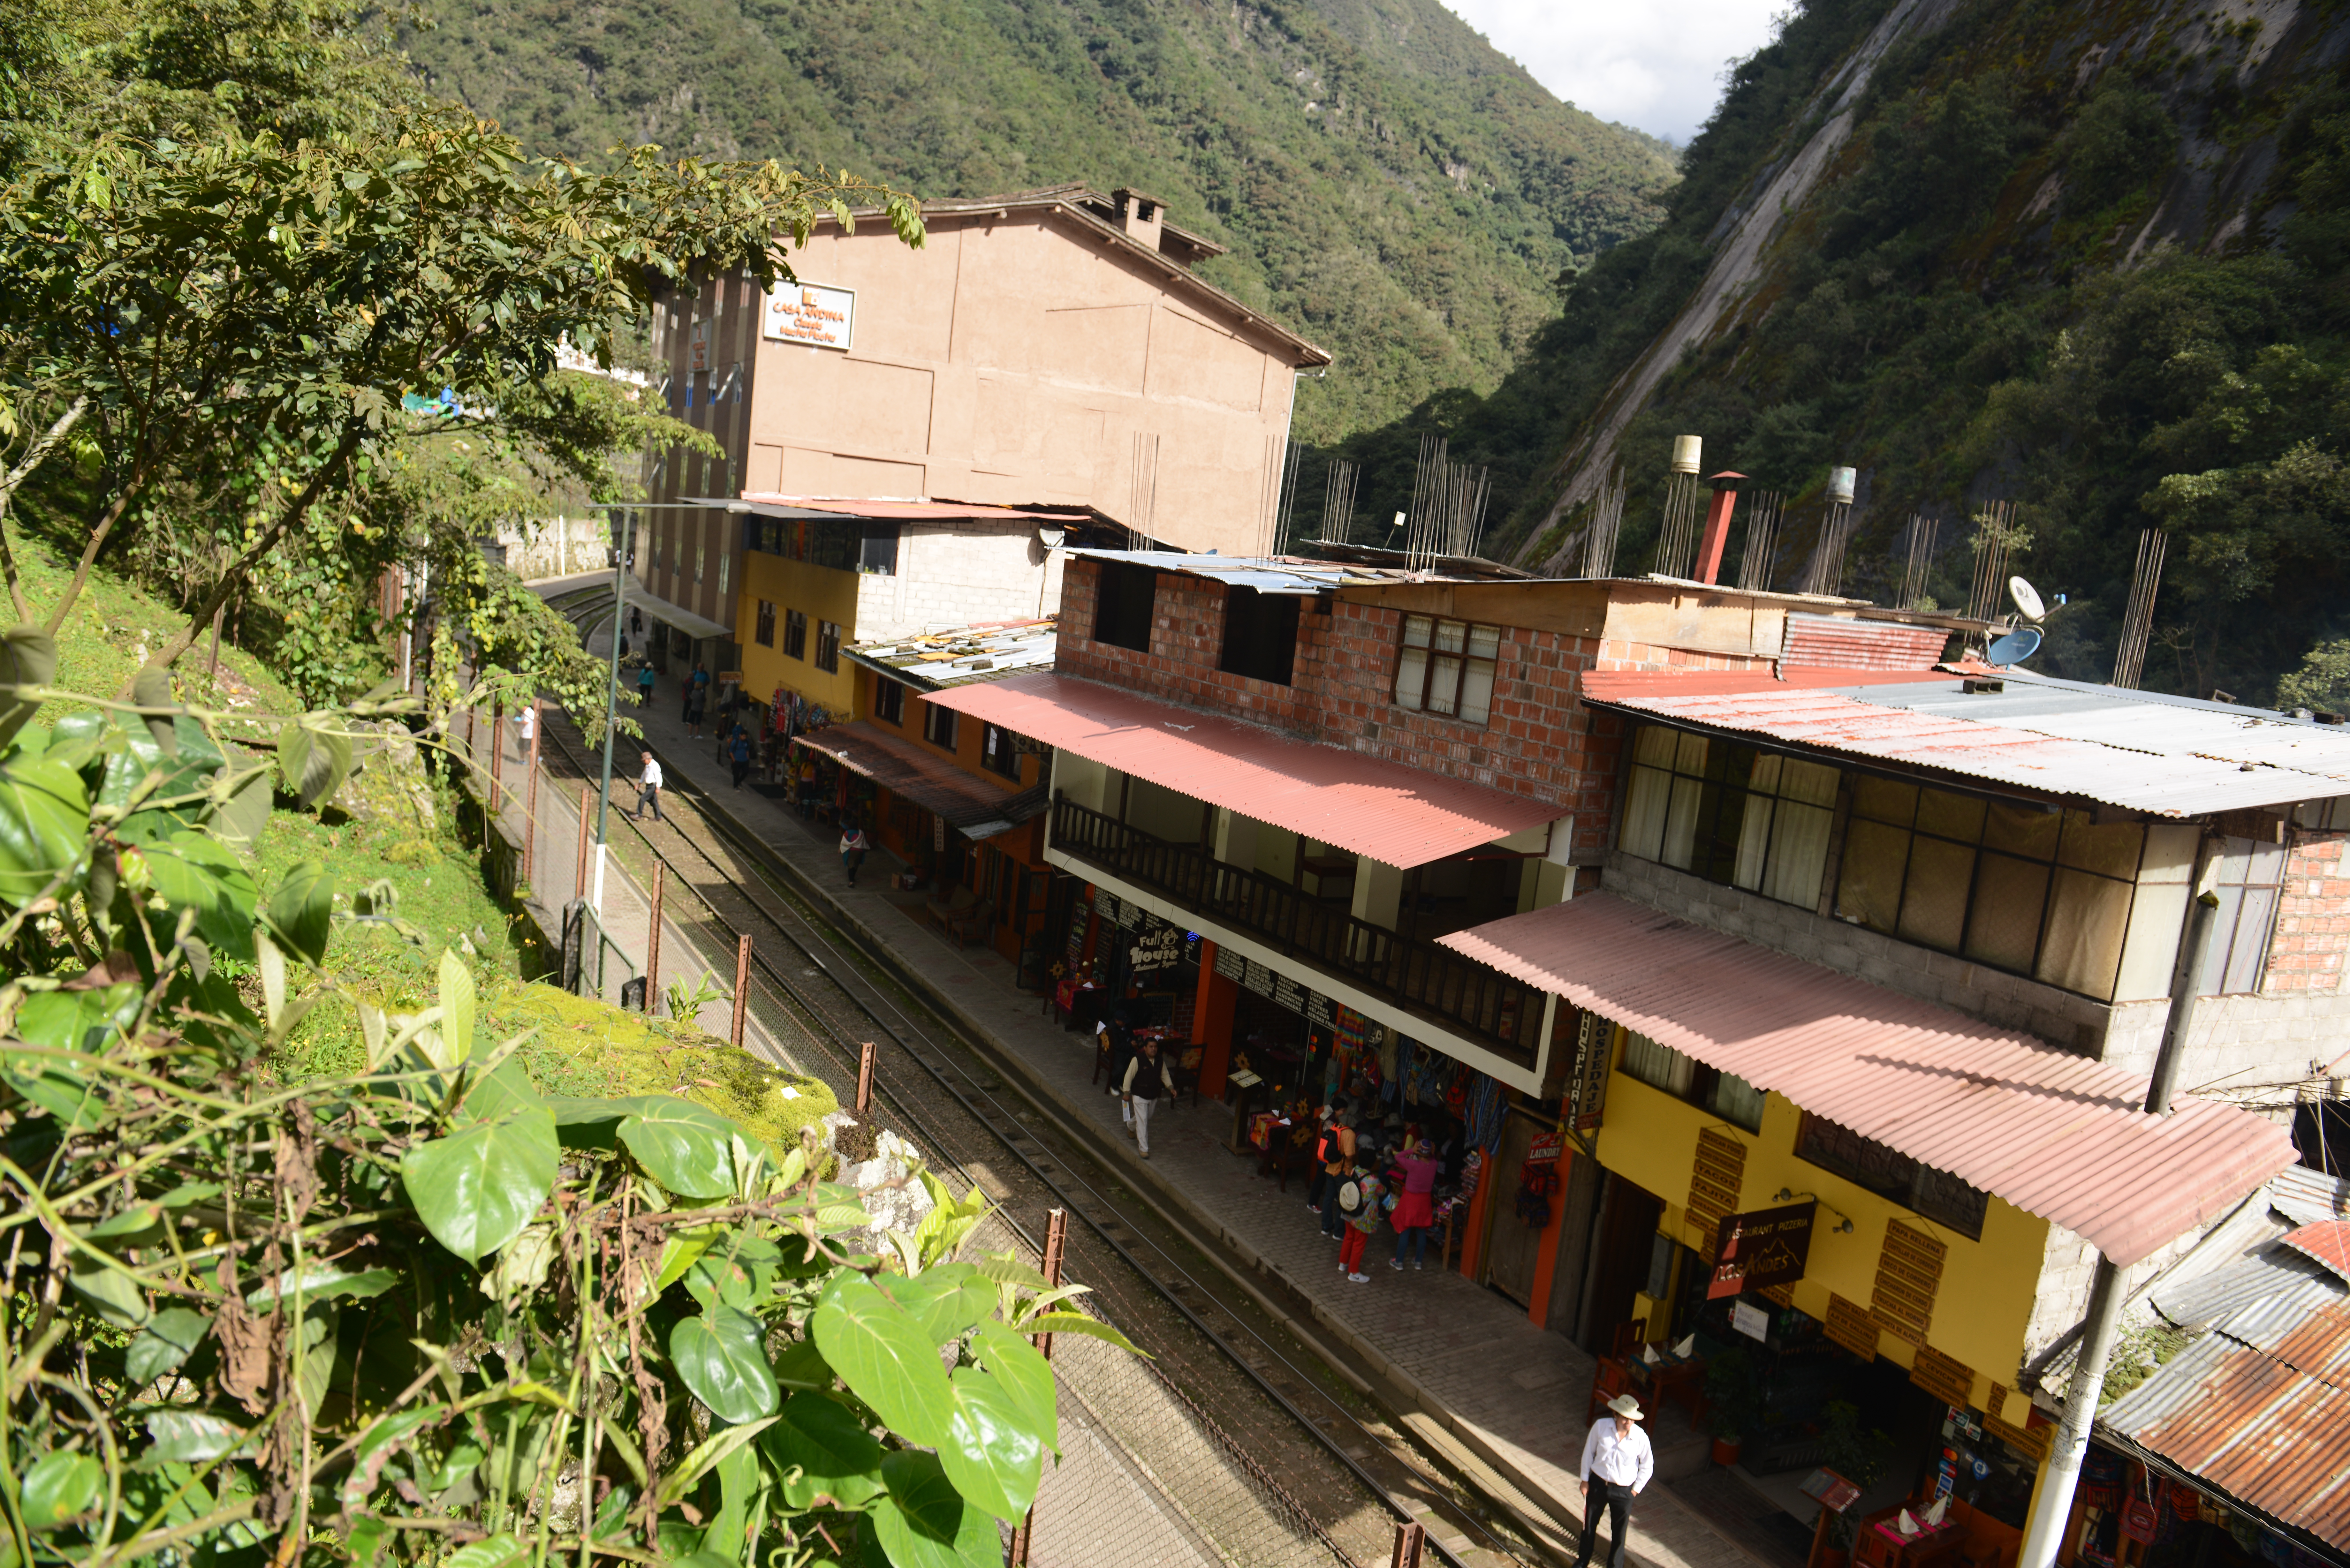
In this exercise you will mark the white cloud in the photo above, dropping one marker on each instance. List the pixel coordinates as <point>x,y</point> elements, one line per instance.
<point>1654,64</point>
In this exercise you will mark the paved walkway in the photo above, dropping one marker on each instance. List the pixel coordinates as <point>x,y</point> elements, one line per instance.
<point>1513,1393</point>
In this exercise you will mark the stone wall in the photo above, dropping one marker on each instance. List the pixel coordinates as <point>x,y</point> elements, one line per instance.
<point>558,547</point>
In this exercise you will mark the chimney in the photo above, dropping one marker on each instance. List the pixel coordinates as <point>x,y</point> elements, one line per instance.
<point>1139,215</point>
<point>1717,526</point>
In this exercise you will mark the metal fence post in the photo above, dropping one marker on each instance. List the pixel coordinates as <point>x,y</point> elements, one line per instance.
<point>1056,1241</point>
<point>652,949</point>
<point>1410,1538</point>
<point>497,753</point>
<point>530,806</point>
<point>742,984</point>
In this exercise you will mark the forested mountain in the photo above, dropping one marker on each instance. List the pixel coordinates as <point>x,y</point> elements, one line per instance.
<point>2088,259</point>
<point>1390,185</point>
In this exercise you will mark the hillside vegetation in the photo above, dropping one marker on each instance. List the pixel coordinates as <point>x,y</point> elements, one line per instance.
<point>2087,259</point>
<point>1390,186</point>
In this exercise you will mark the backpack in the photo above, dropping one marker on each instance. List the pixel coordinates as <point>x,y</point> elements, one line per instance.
<point>1350,1197</point>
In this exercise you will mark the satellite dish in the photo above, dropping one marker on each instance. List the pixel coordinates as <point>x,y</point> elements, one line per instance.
<point>2017,645</point>
<point>2027,600</point>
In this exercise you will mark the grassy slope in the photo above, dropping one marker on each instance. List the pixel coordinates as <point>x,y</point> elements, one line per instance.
<point>1389,184</point>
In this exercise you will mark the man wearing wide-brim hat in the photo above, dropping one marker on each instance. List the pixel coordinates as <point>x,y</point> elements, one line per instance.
<point>1617,1464</point>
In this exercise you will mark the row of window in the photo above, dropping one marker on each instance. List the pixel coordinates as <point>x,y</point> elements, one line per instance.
<point>999,749</point>
<point>2009,884</point>
<point>795,636</point>
<point>1865,1162</point>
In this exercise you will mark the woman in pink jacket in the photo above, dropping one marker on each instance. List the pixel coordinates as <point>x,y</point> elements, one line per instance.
<point>1415,1209</point>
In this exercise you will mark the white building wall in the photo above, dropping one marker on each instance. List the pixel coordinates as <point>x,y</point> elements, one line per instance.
<point>954,574</point>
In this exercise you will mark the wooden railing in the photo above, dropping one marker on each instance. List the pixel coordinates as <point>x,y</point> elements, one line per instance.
<point>1468,998</point>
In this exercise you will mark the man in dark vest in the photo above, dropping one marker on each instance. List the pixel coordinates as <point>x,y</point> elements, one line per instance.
<point>1146,1077</point>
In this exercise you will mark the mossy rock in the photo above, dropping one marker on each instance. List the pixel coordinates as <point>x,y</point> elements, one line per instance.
<point>587,1047</point>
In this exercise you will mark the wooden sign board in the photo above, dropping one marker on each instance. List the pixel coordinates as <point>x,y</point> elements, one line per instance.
<point>1830,1490</point>
<point>1766,1247</point>
<point>1951,1382</point>
<point>1160,947</point>
<point>1850,1326</point>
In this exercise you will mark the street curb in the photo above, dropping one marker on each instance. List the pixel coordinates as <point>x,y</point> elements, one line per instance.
<point>1468,1448</point>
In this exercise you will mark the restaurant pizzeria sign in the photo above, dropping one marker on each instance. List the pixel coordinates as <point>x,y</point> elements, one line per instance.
<point>1768,1247</point>
<point>812,313</point>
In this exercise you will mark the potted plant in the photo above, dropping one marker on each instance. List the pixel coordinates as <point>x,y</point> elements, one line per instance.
<point>1858,1456</point>
<point>1733,1401</point>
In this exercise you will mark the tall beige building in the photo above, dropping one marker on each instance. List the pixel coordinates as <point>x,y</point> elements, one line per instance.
<point>1053,349</point>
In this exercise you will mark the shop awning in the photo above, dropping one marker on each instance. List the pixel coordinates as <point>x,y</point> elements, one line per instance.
<point>696,626</point>
<point>971,807</point>
<point>1381,809</point>
<point>2055,1134</point>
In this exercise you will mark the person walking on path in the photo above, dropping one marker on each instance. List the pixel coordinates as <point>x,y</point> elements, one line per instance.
<point>645,686</point>
<point>1146,1075</point>
<point>693,715</point>
<point>648,788</point>
<point>1361,1220</point>
<point>1617,1463</point>
<point>739,753</point>
<point>1324,1133</point>
<point>1415,1210</point>
<point>853,846</point>
<point>1340,1149</point>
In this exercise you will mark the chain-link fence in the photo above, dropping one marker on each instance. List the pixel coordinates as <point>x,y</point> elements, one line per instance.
<point>1147,1475</point>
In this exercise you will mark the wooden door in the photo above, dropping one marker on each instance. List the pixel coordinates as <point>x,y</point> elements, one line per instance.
<point>1510,1245</point>
<point>1626,1240</point>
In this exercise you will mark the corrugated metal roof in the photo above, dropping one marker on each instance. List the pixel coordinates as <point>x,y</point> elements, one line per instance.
<point>903,509</point>
<point>2056,1135</point>
<point>1391,813</point>
<point>970,805</point>
<point>2328,1242</point>
<point>2206,1299</point>
<point>2259,1407</point>
<point>988,652</point>
<point>2144,765</point>
<point>2305,1196</point>
<point>1265,574</point>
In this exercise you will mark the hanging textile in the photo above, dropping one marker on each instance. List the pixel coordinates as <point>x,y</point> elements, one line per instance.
<point>1401,1082</point>
<point>1486,1108</point>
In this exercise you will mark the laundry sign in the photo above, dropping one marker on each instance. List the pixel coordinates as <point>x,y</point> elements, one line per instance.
<point>811,314</point>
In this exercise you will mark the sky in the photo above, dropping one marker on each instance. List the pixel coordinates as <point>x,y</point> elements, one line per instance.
<point>1653,64</point>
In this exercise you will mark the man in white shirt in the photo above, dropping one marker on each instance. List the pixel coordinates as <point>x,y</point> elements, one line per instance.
<point>1617,1464</point>
<point>649,786</point>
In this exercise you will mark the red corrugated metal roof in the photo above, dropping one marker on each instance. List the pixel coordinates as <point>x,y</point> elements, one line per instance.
<point>1388,812</point>
<point>2056,1135</point>
<point>2328,1242</point>
<point>1839,643</point>
<point>1621,685</point>
<point>973,806</point>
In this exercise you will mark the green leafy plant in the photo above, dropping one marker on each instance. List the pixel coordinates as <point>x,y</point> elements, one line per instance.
<point>1733,1394</point>
<point>421,1312</point>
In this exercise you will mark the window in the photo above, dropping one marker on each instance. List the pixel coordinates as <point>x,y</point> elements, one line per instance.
<point>889,700</point>
<point>2246,879</point>
<point>1447,667</point>
<point>1123,597</point>
<point>795,635</point>
<point>697,555</point>
<point>1260,635</point>
<point>1731,814</point>
<point>1936,1194</point>
<point>1726,1094</point>
<point>999,751</point>
<point>2009,884</point>
<point>938,726</point>
<point>878,552</point>
<point>765,632</point>
<point>827,647</point>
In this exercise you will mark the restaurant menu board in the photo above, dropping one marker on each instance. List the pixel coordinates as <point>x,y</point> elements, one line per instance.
<point>1319,1009</point>
<point>1288,994</point>
<point>1831,1490</point>
<point>1230,965</point>
<point>1129,914</point>
<point>1105,906</point>
<point>1077,928</point>
<point>1259,978</point>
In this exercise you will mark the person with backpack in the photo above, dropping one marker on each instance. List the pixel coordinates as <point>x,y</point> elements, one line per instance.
<point>1368,1194</point>
<point>739,753</point>
<point>1146,1076</point>
<point>853,844</point>
<point>1338,1158</point>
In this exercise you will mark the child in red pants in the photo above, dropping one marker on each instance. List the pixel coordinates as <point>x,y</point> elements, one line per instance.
<point>1361,1222</point>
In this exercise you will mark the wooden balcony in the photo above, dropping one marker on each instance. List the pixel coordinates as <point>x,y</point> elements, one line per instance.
<point>1415,976</point>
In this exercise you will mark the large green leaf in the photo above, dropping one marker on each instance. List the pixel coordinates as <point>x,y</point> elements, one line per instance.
<point>58,1487</point>
<point>28,656</point>
<point>722,1356</point>
<point>687,1148</point>
<point>835,1456</point>
<point>802,1365</point>
<point>992,1453</point>
<point>301,913</point>
<point>43,823</point>
<point>886,1357</point>
<point>947,1298</point>
<point>1024,1376</point>
<point>170,1337</point>
<point>476,1189</point>
<point>922,1521</point>
<point>502,1091</point>
<point>497,1551</point>
<point>116,1295</point>
<point>706,1453</point>
<point>78,1020</point>
<point>314,756</point>
<point>1078,1323</point>
<point>457,1006</point>
<point>190,871</point>
<point>188,1437</point>
<point>318,1282</point>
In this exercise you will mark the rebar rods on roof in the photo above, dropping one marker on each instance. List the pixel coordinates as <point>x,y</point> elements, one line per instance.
<point>1764,511</point>
<point>1448,506</point>
<point>1338,500</point>
<point>1921,535</point>
<point>1994,537</point>
<point>1825,573</point>
<point>1677,537</point>
<point>2138,621</point>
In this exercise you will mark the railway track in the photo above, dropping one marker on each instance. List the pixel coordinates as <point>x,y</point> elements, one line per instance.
<point>1317,1438</point>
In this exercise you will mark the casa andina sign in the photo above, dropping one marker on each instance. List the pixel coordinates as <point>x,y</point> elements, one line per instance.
<point>812,313</point>
<point>1768,1247</point>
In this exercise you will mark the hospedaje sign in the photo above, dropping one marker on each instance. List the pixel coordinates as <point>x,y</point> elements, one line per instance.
<point>1768,1247</point>
<point>811,314</point>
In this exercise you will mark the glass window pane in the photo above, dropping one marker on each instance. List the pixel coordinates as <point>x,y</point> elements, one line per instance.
<point>1799,854</point>
<point>2112,850</point>
<point>1411,675</point>
<point>1656,746</point>
<point>1644,811</point>
<point>2234,858</point>
<point>2251,945</point>
<point>1811,782</point>
<point>1450,635</point>
<point>2223,935</point>
<point>1416,630</point>
<point>1444,684</point>
<point>1659,1067</point>
<point>1958,817</point>
<point>1868,889</point>
<point>1764,779</point>
<point>1484,642</point>
<point>1690,758</point>
<point>1884,800</point>
<point>1477,691</point>
<point>2267,867</point>
<point>1934,901</point>
<point>2088,916</point>
<point>1753,839</point>
<point>2025,830</point>
<point>1681,823</point>
<point>2003,927</point>
<point>1736,1101</point>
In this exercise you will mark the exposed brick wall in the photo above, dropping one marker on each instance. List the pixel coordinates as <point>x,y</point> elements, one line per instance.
<point>2312,928</point>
